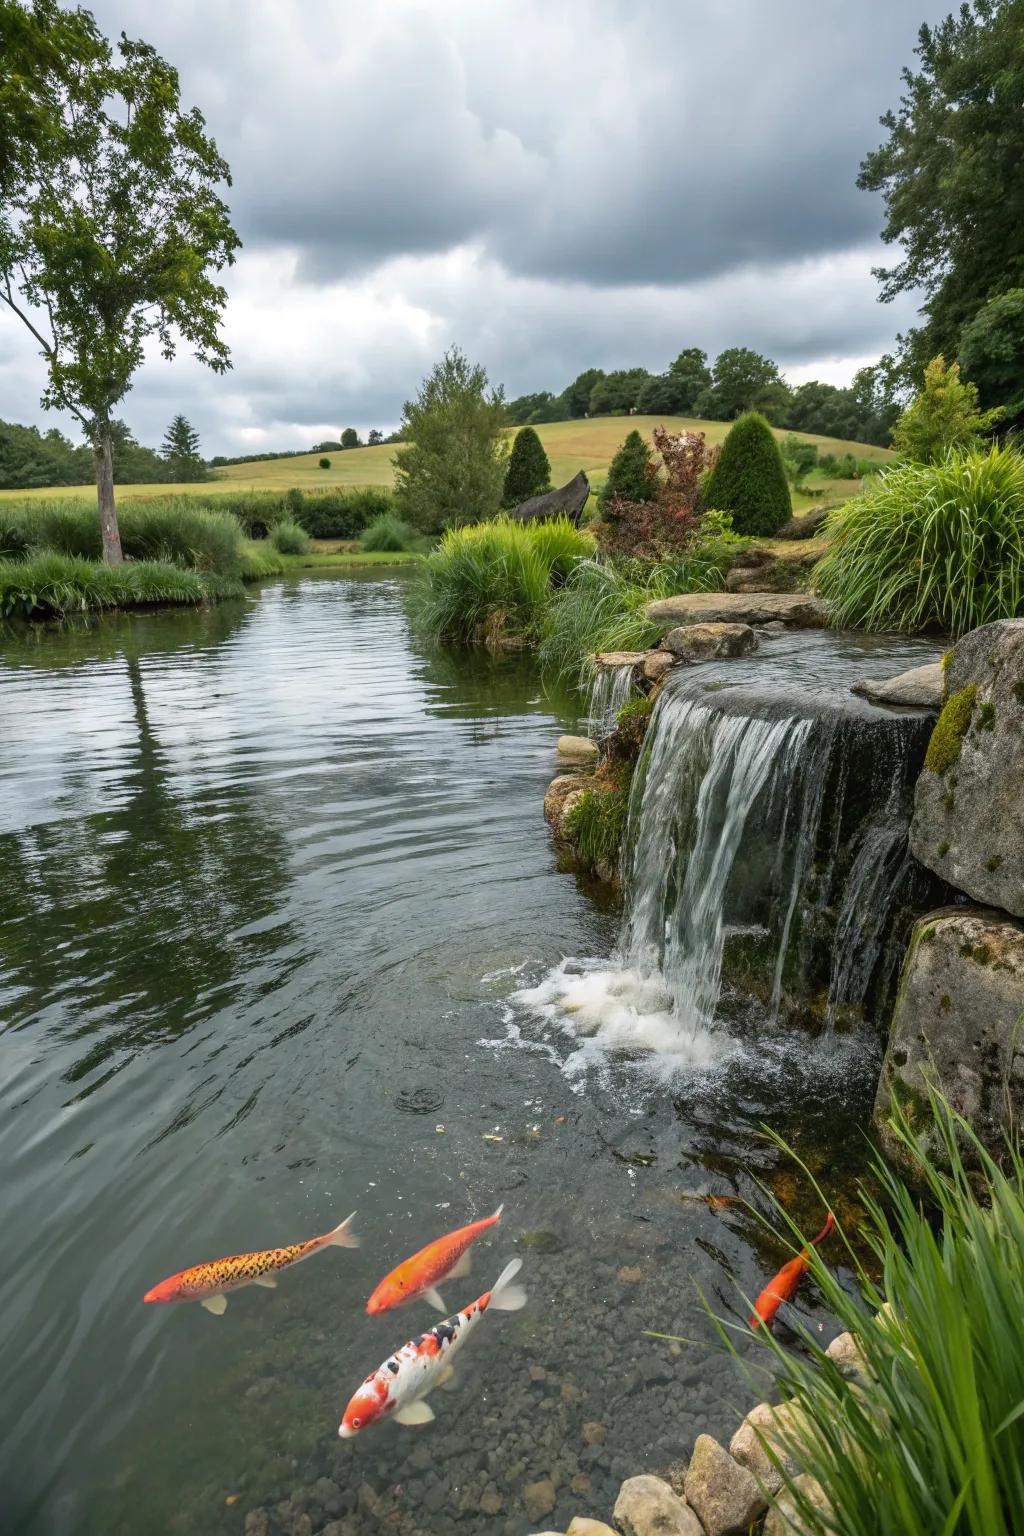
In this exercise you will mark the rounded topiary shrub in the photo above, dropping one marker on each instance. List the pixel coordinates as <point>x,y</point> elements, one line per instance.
<point>749,479</point>
<point>528,473</point>
<point>325,463</point>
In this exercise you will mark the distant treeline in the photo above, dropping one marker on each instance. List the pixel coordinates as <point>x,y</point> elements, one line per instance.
<point>349,439</point>
<point>32,460</point>
<point>738,380</point>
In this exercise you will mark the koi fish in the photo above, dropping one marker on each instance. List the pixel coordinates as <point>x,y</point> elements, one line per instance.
<point>446,1258</point>
<point>206,1283</point>
<point>782,1287</point>
<point>398,1389</point>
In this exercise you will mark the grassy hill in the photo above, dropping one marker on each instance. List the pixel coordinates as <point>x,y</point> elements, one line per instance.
<point>570,445</point>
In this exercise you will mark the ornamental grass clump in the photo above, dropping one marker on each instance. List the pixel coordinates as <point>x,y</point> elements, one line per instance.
<point>289,538</point>
<point>54,584</point>
<point>387,534</point>
<point>930,546</point>
<point>495,578</point>
<point>929,1440</point>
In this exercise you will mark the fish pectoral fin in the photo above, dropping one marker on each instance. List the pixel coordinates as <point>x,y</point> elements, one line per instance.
<point>446,1381</point>
<point>462,1266</point>
<point>218,1305</point>
<point>435,1298</point>
<point>415,1413</point>
<point>269,1282</point>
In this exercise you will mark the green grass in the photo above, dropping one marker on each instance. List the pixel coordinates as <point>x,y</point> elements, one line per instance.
<point>569,445</point>
<point>601,608</point>
<point>289,538</point>
<point>596,824</point>
<point>930,546</point>
<point>494,579</point>
<point>52,584</point>
<point>176,531</point>
<point>387,534</point>
<point>931,1441</point>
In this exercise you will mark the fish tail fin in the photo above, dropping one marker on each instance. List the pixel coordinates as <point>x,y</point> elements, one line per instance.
<point>506,1297</point>
<point>826,1229</point>
<point>342,1236</point>
<point>497,1214</point>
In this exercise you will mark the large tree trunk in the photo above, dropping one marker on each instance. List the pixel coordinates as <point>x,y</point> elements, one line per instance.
<point>104,458</point>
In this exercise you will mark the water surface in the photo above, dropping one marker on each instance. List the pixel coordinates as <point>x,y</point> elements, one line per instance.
<point>273,877</point>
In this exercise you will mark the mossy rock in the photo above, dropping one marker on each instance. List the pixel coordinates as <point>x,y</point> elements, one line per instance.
<point>950,729</point>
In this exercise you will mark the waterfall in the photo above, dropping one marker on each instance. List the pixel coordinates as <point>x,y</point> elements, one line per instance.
<point>609,689</point>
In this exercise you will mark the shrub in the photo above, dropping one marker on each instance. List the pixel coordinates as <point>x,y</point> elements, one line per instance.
<point>662,520</point>
<point>386,534</point>
<point>799,457</point>
<point>325,463</point>
<point>749,479</point>
<point>450,469</point>
<point>343,514</point>
<point>632,474</point>
<point>528,472</point>
<point>944,415</point>
<point>494,576</point>
<point>930,1438</point>
<point>930,546</point>
<point>289,538</point>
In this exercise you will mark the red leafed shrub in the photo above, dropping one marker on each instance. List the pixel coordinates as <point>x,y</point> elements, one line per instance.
<point>667,522</point>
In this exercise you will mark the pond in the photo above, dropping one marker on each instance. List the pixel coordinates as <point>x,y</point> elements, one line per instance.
<point>274,879</point>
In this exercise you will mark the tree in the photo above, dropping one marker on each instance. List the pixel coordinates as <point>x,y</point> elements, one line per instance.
<point>131,463</point>
<point>632,475</point>
<point>373,437</point>
<point>528,472</point>
<point>944,415</point>
<point>111,227</point>
<point>533,408</point>
<point>616,393</point>
<point>743,380</point>
<point>30,459</point>
<point>451,467</point>
<point>576,396</point>
<point>749,479</point>
<point>950,173</point>
<point>350,438</point>
<point>181,450</point>
<point>991,352</point>
<point>691,374</point>
<point>664,395</point>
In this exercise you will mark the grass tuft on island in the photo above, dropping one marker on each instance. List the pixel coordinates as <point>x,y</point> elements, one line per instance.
<point>51,584</point>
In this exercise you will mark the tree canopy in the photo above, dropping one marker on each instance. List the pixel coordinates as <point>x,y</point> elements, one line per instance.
<point>112,227</point>
<point>451,467</point>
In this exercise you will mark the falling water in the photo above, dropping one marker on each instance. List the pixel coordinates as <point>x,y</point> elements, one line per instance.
<point>609,689</point>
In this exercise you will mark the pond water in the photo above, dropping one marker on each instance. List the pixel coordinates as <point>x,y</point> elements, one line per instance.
<point>275,878</point>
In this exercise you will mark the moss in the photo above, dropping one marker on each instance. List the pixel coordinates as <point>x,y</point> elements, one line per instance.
<point>927,935</point>
<point>1018,692</point>
<point>981,954</point>
<point>950,729</point>
<point>945,1002</point>
<point>943,850</point>
<point>987,717</point>
<point>914,1104</point>
<point>994,863</point>
<point>946,661</point>
<point>631,724</point>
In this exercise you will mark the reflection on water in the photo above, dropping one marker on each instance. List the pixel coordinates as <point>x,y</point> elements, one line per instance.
<point>271,876</point>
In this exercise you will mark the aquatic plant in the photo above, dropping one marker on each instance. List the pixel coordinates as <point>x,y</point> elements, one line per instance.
<point>52,583</point>
<point>494,576</point>
<point>930,546</point>
<point>289,538</point>
<point>931,1436</point>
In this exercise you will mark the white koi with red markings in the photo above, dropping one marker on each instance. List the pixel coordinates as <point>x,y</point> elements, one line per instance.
<point>398,1389</point>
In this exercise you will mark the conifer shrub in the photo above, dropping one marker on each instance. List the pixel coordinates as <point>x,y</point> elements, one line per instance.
<point>632,474</point>
<point>528,472</point>
<point>749,479</point>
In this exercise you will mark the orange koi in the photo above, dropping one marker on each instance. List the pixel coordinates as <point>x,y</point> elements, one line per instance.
<point>207,1283</point>
<point>782,1287</point>
<point>446,1258</point>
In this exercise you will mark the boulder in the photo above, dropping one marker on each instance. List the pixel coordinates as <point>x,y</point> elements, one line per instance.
<point>766,1426</point>
<point>562,794</point>
<point>920,686</point>
<point>539,1499</point>
<point>577,749</point>
<point>568,501</point>
<point>646,1506</point>
<point>848,1356</point>
<point>967,823</point>
<point>800,609</point>
<point>724,1495</point>
<point>784,1518</point>
<point>579,1525</point>
<point>807,526</point>
<point>656,664</point>
<point>960,1000</point>
<point>704,642</point>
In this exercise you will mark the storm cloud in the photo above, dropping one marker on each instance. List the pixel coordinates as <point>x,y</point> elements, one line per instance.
<point>549,187</point>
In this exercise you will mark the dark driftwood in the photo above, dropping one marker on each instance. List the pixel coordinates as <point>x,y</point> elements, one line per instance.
<point>568,501</point>
<point>805,527</point>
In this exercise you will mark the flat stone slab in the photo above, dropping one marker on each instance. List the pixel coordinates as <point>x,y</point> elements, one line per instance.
<point>618,658</point>
<point>797,608</point>
<point>705,642</point>
<point>921,685</point>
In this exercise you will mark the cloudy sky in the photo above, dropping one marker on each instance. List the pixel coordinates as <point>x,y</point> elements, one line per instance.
<point>551,186</point>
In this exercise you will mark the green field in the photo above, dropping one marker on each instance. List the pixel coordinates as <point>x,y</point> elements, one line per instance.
<point>570,445</point>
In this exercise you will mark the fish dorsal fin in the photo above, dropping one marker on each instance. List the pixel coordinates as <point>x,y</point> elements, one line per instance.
<point>218,1305</point>
<point>269,1282</point>
<point>435,1299</point>
<point>415,1413</point>
<point>461,1267</point>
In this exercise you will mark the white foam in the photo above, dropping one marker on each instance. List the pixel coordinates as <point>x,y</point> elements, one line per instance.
<point>616,1009</point>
